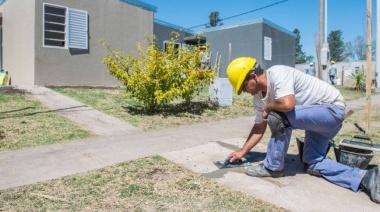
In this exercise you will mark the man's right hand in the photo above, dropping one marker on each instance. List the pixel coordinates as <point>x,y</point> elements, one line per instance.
<point>254,137</point>
<point>236,156</point>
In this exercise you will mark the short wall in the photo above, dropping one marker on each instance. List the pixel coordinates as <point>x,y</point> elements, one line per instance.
<point>345,69</point>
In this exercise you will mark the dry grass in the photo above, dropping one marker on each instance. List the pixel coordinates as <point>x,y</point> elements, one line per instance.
<point>25,122</point>
<point>112,102</point>
<point>349,93</point>
<point>148,184</point>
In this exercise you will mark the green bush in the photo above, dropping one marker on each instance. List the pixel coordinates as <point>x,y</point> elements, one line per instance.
<point>360,84</point>
<point>157,77</point>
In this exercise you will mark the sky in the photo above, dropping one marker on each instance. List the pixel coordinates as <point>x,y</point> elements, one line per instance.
<point>349,16</point>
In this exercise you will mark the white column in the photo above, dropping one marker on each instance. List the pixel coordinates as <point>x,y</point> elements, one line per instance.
<point>325,21</point>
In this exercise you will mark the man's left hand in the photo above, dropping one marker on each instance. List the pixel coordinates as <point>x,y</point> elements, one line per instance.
<point>265,114</point>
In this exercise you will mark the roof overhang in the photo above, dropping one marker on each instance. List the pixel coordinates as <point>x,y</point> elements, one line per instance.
<point>141,4</point>
<point>194,40</point>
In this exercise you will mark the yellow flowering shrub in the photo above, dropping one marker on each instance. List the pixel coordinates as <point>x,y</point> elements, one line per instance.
<point>157,77</point>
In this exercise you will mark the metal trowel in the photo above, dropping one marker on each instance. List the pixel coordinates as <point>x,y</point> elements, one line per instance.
<point>227,164</point>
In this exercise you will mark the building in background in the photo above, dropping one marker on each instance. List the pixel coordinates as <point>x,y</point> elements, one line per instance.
<point>56,43</point>
<point>53,42</point>
<point>345,69</point>
<point>261,39</point>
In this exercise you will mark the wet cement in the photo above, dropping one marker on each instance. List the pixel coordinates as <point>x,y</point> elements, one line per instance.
<point>221,172</point>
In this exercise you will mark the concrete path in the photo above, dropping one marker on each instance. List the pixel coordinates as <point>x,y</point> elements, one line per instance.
<point>31,165</point>
<point>296,191</point>
<point>90,119</point>
<point>194,147</point>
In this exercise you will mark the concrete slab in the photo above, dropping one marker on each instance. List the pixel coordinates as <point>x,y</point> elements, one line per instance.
<point>296,191</point>
<point>31,165</point>
<point>97,122</point>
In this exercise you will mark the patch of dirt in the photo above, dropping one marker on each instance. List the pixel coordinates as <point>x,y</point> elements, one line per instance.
<point>11,90</point>
<point>158,174</point>
<point>2,134</point>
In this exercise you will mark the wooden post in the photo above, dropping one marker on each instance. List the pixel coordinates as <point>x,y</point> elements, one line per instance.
<point>318,50</point>
<point>368,60</point>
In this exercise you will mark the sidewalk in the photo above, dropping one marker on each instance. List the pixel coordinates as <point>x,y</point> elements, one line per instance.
<point>194,147</point>
<point>90,119</point>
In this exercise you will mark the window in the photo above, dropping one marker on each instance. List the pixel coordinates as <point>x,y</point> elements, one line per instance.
<point>167,43</point>
<point>54,26</point>
<point>267,48</point>
<point>64,27</point>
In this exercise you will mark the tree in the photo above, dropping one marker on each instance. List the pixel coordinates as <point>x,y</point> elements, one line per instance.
<point>309,58</point>
<point>300,55</point>
<point>357,48</point>
<point>336,45</point>
<point>214,20</point>
<point>156,77</point>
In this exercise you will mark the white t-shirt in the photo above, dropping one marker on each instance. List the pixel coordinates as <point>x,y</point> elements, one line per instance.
<point>284,80</point>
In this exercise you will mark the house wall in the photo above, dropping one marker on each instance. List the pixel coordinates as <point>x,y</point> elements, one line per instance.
<point>18,40</point>
<point>283,47</point>
<point>120,24</point>
<point>247,40</point>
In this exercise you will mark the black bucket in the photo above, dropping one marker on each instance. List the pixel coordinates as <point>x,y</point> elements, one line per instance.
<point>353,157</point>
<point>300,143</point>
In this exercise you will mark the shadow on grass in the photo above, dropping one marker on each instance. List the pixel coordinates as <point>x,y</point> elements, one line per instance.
<point>7,115</point>
<point>12,111</point>
<point>179,110</point>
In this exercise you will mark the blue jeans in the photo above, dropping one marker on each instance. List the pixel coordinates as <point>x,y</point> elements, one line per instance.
<point>332,79</point>
<point>321,123</point>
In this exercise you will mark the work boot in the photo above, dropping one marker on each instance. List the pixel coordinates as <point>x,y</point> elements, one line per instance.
<point>310,169</point>
<point>261,171</point>
<point>371,184</point>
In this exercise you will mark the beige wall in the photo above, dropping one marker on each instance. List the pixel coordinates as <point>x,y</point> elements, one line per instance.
<point>29,63</point>
<point>18,40</point>
<point>120,24</point>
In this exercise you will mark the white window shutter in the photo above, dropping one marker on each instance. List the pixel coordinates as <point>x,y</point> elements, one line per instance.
<point>77,29</point>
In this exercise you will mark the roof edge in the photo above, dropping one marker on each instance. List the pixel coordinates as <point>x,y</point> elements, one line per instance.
<point>279,27</point>
<point>256,21</point>
<point>2,1</point>
<point>173,26</point>
<point>140,4</point>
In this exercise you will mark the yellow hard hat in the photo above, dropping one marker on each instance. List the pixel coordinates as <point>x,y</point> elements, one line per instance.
<point>332,62</point>
<point>237,71</point>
